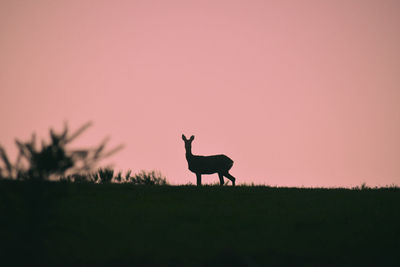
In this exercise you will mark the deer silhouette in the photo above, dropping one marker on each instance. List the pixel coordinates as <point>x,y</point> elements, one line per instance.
<point>220,164</point>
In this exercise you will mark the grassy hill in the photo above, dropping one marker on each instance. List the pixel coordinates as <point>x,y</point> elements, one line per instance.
<point>120,224</point>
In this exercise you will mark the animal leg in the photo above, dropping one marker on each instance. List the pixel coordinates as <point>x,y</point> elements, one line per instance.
<point>221,179</point>
<point>198,175</point>
<point>230,177</point>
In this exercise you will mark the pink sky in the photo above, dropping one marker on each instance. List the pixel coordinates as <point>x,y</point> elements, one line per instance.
<point>295,92</point>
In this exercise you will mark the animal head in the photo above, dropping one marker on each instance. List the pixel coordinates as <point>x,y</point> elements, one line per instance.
<point>188,142</point>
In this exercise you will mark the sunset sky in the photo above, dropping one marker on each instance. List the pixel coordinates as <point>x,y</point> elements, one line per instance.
<point>297,93</point>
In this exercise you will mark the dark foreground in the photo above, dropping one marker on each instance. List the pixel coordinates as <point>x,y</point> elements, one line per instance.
<point>56,224</point>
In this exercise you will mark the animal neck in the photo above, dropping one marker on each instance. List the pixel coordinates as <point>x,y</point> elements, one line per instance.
<point>189,153</point>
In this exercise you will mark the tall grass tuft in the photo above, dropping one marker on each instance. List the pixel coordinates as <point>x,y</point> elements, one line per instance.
<point>118,177</point>
<point>105,175</point>
<point>149,178</point>
<point>128,176</point>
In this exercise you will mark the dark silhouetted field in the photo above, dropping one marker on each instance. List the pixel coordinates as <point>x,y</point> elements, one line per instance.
<point>110,224</point>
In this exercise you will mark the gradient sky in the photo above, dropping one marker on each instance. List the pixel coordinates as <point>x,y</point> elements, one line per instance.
<point>295,92</point>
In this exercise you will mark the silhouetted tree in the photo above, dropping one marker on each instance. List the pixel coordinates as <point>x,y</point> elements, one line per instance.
<point>53,158</point>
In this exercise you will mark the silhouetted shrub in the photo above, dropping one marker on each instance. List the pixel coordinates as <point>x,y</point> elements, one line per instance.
<point>53,158</point>
<point>149,178</point>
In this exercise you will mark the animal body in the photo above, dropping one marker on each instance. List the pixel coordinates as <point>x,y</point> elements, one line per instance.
<point>199,165</point>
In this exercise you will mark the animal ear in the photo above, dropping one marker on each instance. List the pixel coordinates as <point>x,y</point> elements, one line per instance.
<point>191,138</point>
<point>184,137</point>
